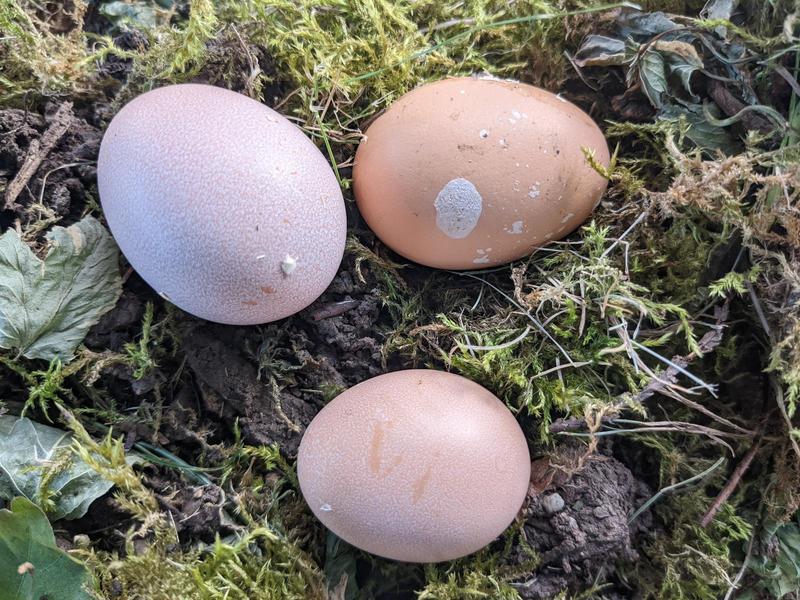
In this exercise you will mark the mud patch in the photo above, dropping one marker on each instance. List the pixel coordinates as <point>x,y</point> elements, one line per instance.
<point>579,525</point>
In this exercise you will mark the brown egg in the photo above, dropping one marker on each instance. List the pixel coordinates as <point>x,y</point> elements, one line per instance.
<point>467,173</point>
<point>418,466</point>
<point>221,204</point>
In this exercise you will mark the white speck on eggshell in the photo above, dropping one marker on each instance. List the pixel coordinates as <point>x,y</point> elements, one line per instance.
<point>288,265</point>
<point>567,217</point>
<point>483,133</point>
<point>503,143</point>
<point>483,258</point>
<point>516,228</point>
<point>326,507</point>
<point>458,208</point>
<point>534,191</point>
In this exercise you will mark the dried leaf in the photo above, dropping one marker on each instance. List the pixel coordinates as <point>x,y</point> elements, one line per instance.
<point>46,307</point>
<point>32,565</point>
<point>600,51</point>
<point>641,27</point>
<point>718,9</point>
<point>682,61</point>
<point>27,448</point>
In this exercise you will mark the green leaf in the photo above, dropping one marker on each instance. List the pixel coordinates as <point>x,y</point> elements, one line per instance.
<point>780,571</point>
<point>31,565</point>
<point>340,567</point>
<point>142,14</point>
<point>705,135</point>
<point>46,307</point>
<point>27,451</point>
<point>653,76</point>
<point>600,51</point>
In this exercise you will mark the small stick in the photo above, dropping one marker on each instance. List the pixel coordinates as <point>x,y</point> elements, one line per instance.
<point>38,151</point>
<point>335,309</point>
<point>726,492</point>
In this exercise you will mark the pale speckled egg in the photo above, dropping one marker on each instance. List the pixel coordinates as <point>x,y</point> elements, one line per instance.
<point>467,173</point>
<point>417,466</point>
<point>221,204</point>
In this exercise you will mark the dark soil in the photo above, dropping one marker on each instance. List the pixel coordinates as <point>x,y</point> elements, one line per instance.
<point>578,524</point>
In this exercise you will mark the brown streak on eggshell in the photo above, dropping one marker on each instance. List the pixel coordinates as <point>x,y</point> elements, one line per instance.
<point>417,465</point>
<point>462,165</point>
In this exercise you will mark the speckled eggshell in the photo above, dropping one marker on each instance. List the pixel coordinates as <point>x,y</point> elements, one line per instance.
<point>418,466</point>
<point>221,204</point>
<point>468,173</point>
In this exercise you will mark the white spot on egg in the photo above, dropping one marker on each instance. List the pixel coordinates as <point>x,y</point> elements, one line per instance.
<point>534,191</point>
<point>288,265</point>
<point>326,507</point>
<point>516,228</point>
<point>483,258</point>
<point>483,133</point>
<point>458,208</point>
<point>516,114</point>
<point>567,217</point>
<point>503,143</point>
<point>261,256</point>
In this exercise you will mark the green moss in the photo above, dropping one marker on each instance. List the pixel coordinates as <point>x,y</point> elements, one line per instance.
<point>688,561</point>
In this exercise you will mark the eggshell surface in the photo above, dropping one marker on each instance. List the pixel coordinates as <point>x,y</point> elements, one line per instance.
<point>467,173</point>
<point>417,466</point>
<point>221,204</point>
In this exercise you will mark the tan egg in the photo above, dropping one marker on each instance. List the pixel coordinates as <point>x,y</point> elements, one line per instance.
<point>221,204</point>
<point>418,466</point>
<point>467,173</point>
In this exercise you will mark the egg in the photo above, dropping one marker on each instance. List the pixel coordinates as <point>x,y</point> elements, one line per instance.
<point>417,466</point>
<point>221,204</point>
<point>467,173</point>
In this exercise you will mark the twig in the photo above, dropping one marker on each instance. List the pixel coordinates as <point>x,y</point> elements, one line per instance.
<point>38,151</point>
<point>334,310</point>
<point>726,492</point>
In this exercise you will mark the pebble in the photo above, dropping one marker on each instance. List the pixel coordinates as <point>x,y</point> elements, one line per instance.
<point>552,503</point>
